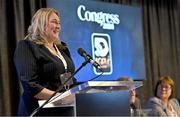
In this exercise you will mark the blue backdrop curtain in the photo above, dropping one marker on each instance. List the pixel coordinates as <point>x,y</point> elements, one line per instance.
<point>161,32</point>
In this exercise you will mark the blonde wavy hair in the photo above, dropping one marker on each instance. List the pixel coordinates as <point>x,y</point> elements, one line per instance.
<point>36,31</point>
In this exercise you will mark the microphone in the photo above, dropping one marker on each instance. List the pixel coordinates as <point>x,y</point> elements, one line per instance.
<point>88,58</point>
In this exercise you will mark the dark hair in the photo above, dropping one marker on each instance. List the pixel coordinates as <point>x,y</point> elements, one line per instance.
<point>167,80</point>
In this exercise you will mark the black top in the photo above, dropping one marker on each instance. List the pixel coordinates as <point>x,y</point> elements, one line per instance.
<point>38,68</point>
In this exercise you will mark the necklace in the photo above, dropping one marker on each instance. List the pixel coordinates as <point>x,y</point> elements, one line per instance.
<point>57,53</point>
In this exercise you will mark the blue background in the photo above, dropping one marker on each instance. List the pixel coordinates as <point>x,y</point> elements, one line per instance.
<point>126,39</point>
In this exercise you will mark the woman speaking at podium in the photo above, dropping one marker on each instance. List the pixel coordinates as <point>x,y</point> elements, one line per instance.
<point>41,59</point>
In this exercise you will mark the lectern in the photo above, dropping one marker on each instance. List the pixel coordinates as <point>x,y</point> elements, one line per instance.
<point>92,98</point>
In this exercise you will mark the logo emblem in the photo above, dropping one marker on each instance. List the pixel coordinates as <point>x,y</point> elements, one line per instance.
<point>101,52</point>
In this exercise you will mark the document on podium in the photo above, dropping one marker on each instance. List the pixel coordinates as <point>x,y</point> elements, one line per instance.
<point>60,99</point>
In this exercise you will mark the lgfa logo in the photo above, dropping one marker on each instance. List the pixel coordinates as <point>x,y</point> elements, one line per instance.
<point>101,51</point>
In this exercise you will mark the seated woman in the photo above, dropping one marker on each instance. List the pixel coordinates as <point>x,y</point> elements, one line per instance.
<point>164,103</point>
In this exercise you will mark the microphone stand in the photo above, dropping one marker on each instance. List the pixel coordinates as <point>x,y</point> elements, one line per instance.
<point>59,88</point>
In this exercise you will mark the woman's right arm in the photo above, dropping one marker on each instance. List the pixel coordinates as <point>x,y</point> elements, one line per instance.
<point>27,68</point>
<point>44,94</point>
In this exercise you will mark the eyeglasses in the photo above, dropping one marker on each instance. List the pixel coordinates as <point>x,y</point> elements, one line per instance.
<point>166,87</point>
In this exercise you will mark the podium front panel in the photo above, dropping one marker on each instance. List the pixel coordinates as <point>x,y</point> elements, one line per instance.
<point>103,104</point>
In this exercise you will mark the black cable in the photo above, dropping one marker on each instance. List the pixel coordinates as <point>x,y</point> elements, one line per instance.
<point>97,76</point>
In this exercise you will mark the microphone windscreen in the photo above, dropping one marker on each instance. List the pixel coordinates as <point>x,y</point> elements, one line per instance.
<point>81,51</point>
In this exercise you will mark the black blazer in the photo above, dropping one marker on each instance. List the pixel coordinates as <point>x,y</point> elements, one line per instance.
<point>38,68</point>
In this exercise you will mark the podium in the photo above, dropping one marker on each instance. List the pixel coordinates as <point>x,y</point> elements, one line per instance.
<point>92,98</point>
